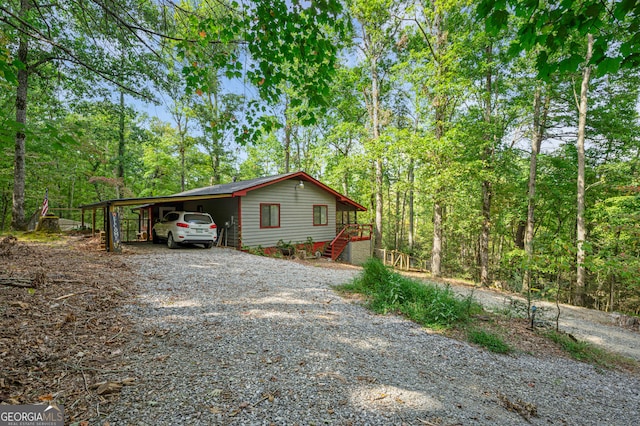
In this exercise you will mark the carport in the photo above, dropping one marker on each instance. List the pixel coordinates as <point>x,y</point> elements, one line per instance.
<point>148,209</point>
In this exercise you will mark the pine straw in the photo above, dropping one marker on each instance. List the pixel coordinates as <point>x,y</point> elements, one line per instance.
<point>60,338</point>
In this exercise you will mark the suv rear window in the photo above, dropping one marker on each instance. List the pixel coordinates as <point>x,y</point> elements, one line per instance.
<point>197,218</point>
<point>171,217</point>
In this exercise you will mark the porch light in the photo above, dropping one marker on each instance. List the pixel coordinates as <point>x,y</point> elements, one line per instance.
<point>300,185</point>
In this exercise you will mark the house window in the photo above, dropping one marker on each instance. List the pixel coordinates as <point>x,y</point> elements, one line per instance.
<point>320,216</point>
<point>269,215</point>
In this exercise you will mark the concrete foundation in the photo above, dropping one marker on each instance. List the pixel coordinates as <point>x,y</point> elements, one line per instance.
<point>357,252</point>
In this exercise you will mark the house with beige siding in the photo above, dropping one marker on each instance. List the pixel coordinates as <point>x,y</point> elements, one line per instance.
<point>292,207</point>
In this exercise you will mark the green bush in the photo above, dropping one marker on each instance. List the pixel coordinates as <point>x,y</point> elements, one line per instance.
<point>582,351</point>
<point>427,304</point>
<point>488,340</point>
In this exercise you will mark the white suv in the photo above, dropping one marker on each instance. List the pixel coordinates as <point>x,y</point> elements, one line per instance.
<point>179,227</point>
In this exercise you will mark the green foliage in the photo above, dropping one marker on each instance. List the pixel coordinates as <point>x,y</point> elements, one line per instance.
<point>308,246</point>
<point>8,66</point>
<point>557,27</point>
<point>258,251</point>
<point>293,42</point>
<point>582,351</point>
<point>488,340</point>
<point>426,304</point>
<point>282,245</point>
<point>36,236</point>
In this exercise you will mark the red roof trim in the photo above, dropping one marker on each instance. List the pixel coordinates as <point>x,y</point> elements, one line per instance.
<point>307,178</point>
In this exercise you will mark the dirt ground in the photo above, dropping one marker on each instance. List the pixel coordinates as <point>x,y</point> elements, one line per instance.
<point>60,333</point>
<point>62,338</point>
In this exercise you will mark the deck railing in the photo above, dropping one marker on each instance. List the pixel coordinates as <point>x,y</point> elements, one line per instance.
<point>350,232</point>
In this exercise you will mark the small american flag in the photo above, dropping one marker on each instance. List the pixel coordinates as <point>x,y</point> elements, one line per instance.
<point>45,202</point>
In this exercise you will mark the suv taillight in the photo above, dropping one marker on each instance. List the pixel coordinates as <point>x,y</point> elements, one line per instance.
<point>212,226</point>
<point>182,225</point>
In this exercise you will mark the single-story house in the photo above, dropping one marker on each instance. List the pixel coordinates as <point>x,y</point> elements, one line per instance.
<point>292,208</point>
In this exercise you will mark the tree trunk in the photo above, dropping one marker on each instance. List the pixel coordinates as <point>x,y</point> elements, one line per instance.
<point>375,124</point>
<point>486,183</point>
<point>411,230</point>
<point>182,151</point>
<point>5,208</point>
<point>582,124</point>
<point>218,150</point>
<point>440,105</point>
<point>179,112</point>
<point>520,231</point>
<point>484,236</point>
<point>18,222</point>
<point>121,149</point>
<point>533,161</point>
<point>612,278</point>
<point>539,124</point>
<point>345,184</point>
<point>436,250</point>
<point>398,220</point>
<point>183,177</point>
<point>287,137</point>
<point>403,213</point>
<point>379,205</point>
<point>217,176</point>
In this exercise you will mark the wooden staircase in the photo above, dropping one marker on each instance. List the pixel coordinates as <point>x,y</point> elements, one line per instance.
<point>351,232</point>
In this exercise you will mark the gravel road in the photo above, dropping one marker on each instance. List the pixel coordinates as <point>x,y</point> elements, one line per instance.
<point>226,338</point>
<point>588,325</point>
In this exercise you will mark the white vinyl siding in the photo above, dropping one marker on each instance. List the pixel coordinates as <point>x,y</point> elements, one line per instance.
<point>296,214</point>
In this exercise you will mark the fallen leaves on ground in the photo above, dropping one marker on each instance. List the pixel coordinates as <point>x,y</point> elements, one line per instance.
<point>62,338</point>
<point>525,409</point>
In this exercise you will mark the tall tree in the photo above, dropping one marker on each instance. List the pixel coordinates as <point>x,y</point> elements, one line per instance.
<point>440,106</point>
<point>378,23</point>
<point>83,46</point>
<point>581,233</point>
<point>487,158</point>
<point>18,219</point>
<point>540,114</point>
<point>345,130</point>
<point>440,29</point>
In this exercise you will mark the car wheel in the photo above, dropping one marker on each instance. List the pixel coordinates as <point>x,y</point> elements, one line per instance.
<point>155,238</point>
<point>170,242</point>
<point>208,245</point>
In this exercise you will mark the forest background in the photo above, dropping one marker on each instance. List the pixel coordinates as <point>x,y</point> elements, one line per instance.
<point>499,139</point>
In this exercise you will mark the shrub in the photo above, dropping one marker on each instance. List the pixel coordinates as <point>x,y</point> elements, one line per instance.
<point>582,351</point>
<point>426,304</point>
<point>488,340</point>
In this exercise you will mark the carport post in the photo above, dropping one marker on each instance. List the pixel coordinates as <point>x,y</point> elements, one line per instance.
<point>113,228</point>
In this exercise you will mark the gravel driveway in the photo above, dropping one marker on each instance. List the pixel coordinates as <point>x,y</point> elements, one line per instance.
<point>226,338</point>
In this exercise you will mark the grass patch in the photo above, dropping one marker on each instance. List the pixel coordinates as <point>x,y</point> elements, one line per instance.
<point>33,236</point>
<point>426,304</point>
<point>586,352</point>
<point>491,341</point>
<point>440,308</point>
